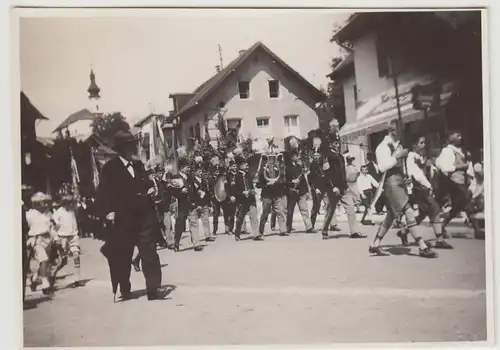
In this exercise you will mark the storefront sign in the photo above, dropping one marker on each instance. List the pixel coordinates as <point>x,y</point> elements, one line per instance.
<point>426,97</point>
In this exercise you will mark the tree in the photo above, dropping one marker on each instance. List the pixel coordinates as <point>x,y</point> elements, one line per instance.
<point>333,105</point>
<point>107,125</point>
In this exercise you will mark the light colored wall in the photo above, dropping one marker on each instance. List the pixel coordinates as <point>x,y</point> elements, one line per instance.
<point>366,67</point>
<point>292,100</point>
<point>349,102</point>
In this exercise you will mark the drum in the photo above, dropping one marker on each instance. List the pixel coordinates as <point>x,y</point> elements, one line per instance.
<point>220,189</point>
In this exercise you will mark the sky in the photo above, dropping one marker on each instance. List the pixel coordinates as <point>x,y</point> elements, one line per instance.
<point>140,58</point>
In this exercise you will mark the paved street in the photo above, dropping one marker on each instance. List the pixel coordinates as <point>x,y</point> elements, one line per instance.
<point>298,289</point>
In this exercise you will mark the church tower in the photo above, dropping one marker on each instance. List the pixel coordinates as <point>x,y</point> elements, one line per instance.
<point>93,91</point>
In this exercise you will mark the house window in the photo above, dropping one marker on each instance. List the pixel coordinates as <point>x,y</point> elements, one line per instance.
<point>382,59</point>
<point>263,125</point>
<point>233,127</point>
<point>292,125</point>
<point>244,89</point>
<point>274,88</point>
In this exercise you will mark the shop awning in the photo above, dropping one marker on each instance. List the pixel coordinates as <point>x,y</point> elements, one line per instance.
<point>374,114</point>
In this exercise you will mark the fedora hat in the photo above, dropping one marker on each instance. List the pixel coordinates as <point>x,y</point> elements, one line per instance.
<point>122,138</point>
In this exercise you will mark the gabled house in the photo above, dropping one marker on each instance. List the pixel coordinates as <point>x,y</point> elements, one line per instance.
<point>408,52</point>
<point>34,160</point>
<point>258,96</point>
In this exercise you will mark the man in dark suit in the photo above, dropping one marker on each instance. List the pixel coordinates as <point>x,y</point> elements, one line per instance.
<point>123,198</point>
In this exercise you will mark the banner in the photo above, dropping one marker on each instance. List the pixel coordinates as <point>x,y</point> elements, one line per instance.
<point>75,177</point>
<point>95,170</point>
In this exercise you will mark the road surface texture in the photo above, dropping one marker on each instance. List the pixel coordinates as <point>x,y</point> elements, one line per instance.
<point>286,290</point>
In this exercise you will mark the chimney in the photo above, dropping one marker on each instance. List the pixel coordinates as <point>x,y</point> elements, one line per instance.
<point>217,68</point>
<point>241,52</point>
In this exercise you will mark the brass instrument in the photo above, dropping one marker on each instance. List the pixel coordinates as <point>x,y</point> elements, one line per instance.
<point>274,166</point>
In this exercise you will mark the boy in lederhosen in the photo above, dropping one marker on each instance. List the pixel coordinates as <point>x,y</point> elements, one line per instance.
<point>390,155</point>
<point>422,194</point>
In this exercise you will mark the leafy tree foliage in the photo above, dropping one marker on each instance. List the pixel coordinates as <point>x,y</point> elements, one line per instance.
<point>107,125</point>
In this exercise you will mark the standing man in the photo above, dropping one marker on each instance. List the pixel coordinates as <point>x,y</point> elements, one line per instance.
<point>334,178</point>
<point>273,198</point>
<point>184,190</point>
<point>215,172</point>
<point>367,186</point>
<point>123,198</point>
<point>297,192</point>
<point>351,197</point>
<point>231,203</point>
<point>318,184</point>
<point>247,203</point>
<point>390,155</point>
<point>203,201</point>
<point>454,165</point>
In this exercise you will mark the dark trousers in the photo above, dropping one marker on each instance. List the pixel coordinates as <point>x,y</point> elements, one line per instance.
<point>145,240</point>
<point>333,201</point>
<point>273,220</point>
<point>278,205</point>
<point>381,202</point>
<point>228,209</point>
<point>317,198</point>
<point>367,202</point>
<point>460,200</point>
<point>244,207</point>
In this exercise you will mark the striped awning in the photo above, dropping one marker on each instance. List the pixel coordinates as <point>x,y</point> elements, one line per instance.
<point>374,115</point>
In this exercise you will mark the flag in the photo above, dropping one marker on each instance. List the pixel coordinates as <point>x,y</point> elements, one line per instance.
<point>95,170</point>
<point>75,177</point>
<point>161,141</point>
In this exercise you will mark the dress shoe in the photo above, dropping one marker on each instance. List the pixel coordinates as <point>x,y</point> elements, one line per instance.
<point>258,238</point>
<point>311,230</point>
<point>427,253</point>
<point>357,235</point>
<point>198,248</point>
<point>176,248</point>
<point>377,251</point>
<point>335,228</point>
<point>135,264</point>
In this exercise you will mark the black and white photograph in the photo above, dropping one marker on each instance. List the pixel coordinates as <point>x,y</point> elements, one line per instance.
<point>253,176</point>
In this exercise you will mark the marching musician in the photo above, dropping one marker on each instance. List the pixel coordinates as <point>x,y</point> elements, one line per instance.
<point>297,189</point>
<point>231,200</point>
<point>273,196</point>
<point>203,200</point>
<point>244,193</point>
<point>317,182</point>
<point>183,189</point>
<point>215,172</point>
<point>334,178</point>
<point>166,193</point>
<point>390,155</point>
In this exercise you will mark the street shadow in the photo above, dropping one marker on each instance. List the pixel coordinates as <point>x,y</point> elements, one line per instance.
<point>398,250</point>
<point>339,235</point>
<point>165,291</point>
<point>61,277</point>
<point>461,235</point>
<point>32,303</point>
<point>191,248</point>
<point>82,283</point>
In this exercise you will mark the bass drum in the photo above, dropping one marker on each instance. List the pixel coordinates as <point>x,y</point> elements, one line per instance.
<point>220,189</point>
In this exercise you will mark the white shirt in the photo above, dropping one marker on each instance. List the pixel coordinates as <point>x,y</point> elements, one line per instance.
<point>366,182</point>
<point>66,220</point>
<point>39,223</point>
<point>129,168</point>
<point>446,160</point>
<point>414,169</point>
<point>385,160</point>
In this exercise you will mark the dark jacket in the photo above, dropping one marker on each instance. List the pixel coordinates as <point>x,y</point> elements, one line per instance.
<point>124,195</point>
<point>296,171</point>
<point>203,186</point>
<point>231,184</point>
<point>336,173</point>
<point>373,172</point>
<point>278,189</point>
<point>185,200</point>
<point>243,182</point>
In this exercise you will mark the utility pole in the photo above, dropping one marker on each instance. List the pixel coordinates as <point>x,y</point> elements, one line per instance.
<point>220,58</point>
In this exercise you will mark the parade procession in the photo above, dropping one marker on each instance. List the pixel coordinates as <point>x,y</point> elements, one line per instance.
<point>148,206</point>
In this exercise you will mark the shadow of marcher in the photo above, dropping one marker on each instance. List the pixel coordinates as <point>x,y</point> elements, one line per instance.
<point>164,292</point>
<point>397,250</point>
<point>32,303</point>
<point>81,283</point>
<point>339,235</point>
